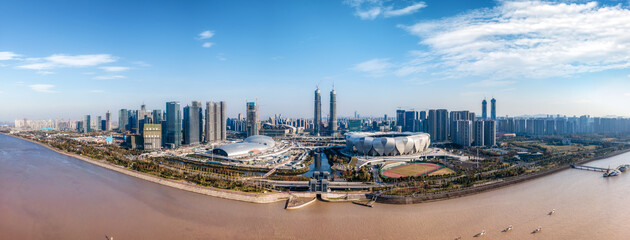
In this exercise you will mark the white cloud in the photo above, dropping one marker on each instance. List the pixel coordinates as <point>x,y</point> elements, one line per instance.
<point>7,56</point>
<point>206,34</point>
<point>491,83</point>
<point>97,91</point>
<point>371,9</point>
<point>532,39</point>
<point>61,60</point>
<point>376,67</point>
<point>114,68</point>
<point>45,88</point>
<point>141,63</point>
<point>109,77</point>
<point>389,12</point>
<point>207,44</point>
<point>45,73</point>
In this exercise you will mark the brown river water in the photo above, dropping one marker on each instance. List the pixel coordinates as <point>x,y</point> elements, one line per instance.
<point>46,195</point>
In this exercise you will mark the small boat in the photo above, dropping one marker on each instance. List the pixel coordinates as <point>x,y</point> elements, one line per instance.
<point>480,234</point>
<point>611,173</point>
<point>537,230</point>
<point>552,212</point>
<point>624,167</point>
<point>507,229</point>
<point>458,238</point>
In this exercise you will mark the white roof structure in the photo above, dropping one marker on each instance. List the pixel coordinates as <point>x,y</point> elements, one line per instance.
<point>250,145</point>
<point>387,143</point>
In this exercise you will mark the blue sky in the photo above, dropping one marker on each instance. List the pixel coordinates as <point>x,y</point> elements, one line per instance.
<point>65,59</point>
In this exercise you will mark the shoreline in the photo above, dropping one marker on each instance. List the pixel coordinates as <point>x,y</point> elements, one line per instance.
<point>214,192</point>
<point>439,196</point>
<point>283,196</point>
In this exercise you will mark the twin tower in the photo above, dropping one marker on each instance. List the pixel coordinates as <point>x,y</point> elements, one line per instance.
<point>493,109</point>
<point>317,121</point>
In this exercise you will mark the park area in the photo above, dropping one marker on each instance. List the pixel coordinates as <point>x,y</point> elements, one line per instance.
<point>416,169</point>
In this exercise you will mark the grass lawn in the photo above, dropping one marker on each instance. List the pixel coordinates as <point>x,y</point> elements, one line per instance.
<point>414,169</point>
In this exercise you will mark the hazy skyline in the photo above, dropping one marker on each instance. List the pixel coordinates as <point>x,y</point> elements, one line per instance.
<point>71,58</point>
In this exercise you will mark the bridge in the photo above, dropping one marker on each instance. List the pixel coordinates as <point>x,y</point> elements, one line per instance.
<point>620,168</point>
<point>331,185</point>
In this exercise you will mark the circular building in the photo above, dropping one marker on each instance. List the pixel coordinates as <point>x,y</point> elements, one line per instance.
<point>386,143</point>
<point>251,145</point>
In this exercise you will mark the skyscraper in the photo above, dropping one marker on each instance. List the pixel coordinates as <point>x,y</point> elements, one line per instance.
<point>484,109</point>
<point>252,119</point>
<point>216,121</point>
<point>191,124</point>
<point>493,109</point>
<point>333,113</point>
<point>400,118</point>
<point>490,133</point>
<point>478,133</point>
<point>411,123</point>
<point>87,124</point>
<point>317,118</point>
<point>157,116</point>
<point>173,125</point>
<point>464,133</point>
<point>108,122</point>
<point>123,120</point>
<point>438,125</point>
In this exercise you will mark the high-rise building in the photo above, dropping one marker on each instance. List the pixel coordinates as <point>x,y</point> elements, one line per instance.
<point>493,109</point>
<point>456,116</point>
<point>464,133</point>
<point>157,116</point>
<point>97,125</point>
<point>438,125</point>
<point>412,121</point>
<point>108,121</point>
<point>490,133</point>
<point>484,109</point>
<point>87,124</point>
<point>152,136</point>
<point>478,133</point>
<point>400,118</point>
<point>253,126</point>
<point>123,120</point>
<point>317,118</point>
<point>333,113</point>
<point>191,124</point>
<point>173,125</point>
<point>216,122</point>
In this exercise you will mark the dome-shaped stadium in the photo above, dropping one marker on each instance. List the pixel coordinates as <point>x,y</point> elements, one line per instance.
<point>251,145</point>
<point>387,144</point>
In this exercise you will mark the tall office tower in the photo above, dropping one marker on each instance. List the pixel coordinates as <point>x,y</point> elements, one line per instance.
<point>484,109</point>
<point>424,126</point>
<point>478,133</point>
<point>173,125</point>
<point>123,120</point>
<point>438,125</point>
<point>464,133</point>
<point>333,113</point>
<point>400,118</point>
<point>493,109</point>
<point>199,107</point>
<point>490,133</point>
<point>87,124</point>
<point>240,116</point>
<point>152,136</point>
<point>317,118</point>
<point>157,116</point>
<point>96,126</point>
<point>411,123</point>
<point>223,120</point>
<point>108,121</point>
<point>191,124</point>
<point>252,119</point>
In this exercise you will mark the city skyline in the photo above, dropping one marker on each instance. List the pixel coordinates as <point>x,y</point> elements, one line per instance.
<point>55,67</point>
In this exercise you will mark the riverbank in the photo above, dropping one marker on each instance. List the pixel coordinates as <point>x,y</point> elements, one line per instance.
<point>396,199</point>
<point>214,192</point>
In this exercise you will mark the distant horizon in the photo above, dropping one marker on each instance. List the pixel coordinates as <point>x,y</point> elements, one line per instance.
<point>72,58</point>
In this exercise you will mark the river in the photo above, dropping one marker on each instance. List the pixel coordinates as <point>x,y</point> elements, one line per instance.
<point>46,195</point>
